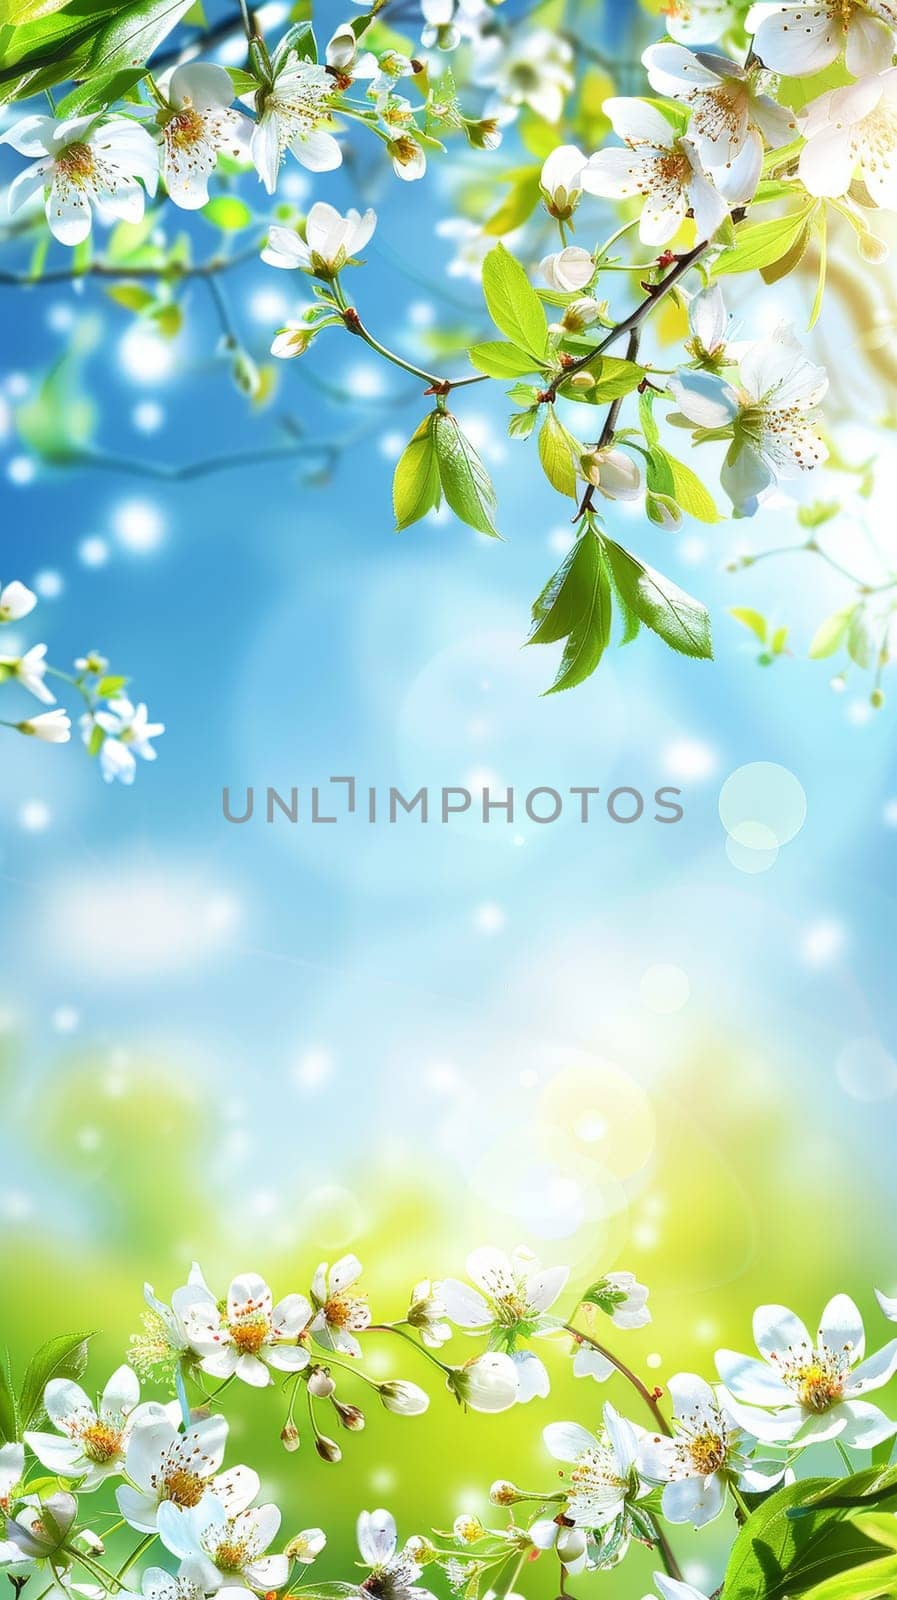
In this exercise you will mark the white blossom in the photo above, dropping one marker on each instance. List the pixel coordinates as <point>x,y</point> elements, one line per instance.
<point>198,124</point>
<point>849,129</point>
<point>804,1390</point>
<point>533,69</point>
<point>220,1552</point>
<point>661,167</point>
<point>697,21</point>
<point>293,114</point>
<point>394,1573</point>
<point>250,1335</point>
<point>511,1301</point>
<point>331,240</point>
<point>128,734</point>
<point>485,1383</point>
<point>180,1469</point>
<point>603,1477</point>
<point>339,1314</point>
<point>568,270</point>
<point>615,475</point>
<point>29,670</point>
<point>12,1471</point>
<point>16,601</point>
<point>560,180</point>
<point>83,166</point>
<point>798,40</point>
<point>707,1452</point>
<point>427,1314</point>
<point>91,1440</point>
<point>52,727</point>
<point>731,118</point>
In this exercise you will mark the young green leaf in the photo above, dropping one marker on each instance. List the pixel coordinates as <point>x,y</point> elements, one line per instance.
<point>830,634</point>
<point>759,244</point>
<point>575,605</point>
<point>465,482</point>
<point>415,486</point>
<point>499,359</point>
<point>674,616</point>
<point>689,492</point>
<point>513,304</point>
<point>9,1410</point>
<point>752,620</point>
<point>557,448</point>
<point>62,1357</point>
<point>130,38</point>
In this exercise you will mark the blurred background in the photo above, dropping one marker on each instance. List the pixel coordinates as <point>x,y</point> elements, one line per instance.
<point>666,1049</point>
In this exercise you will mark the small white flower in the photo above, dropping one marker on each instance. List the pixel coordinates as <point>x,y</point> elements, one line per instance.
<point>293,339</point>
<point>770,415</point>
<point>293,115</point>
<point>803,1390</point>
<point>304,1547</point>
<point>331,240</point>
<point>488,1382</point>
<point>409,162</point>
<point>94,1438</point>
<point>850,128</point>
<point>707,1452</point>
<point>29,671</point>
<point>730,115</point>
<point>394,1573</point>
<point>568,270</point>
<point>83,166</point>
<point>180,1469</point>
<point>52,727</point>
<point>128,735</point>
<point>219,1552</point>
<point>798,40</point>
<point>16,602</point>
<point>709,325</point>
<point>166,1335</point>
<point>603,1476</point>
<point>618,1294</point>
<point>535,70</point>
<point>698,21</point>
<point>197,125</point>
<point>427,1314</point>
<point>673,1589</point>
<point>339,1315</point>
<point>615,475</point>
<point>157,1584</point>
<point>559,181</point>
<point>511,1302</point>
<point>384,74</point>
<point>664,169</point>
<point>251,1335</point>
<point>37,1538</point>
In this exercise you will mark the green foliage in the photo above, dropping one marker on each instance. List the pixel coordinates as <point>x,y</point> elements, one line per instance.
<point>773,639</point>
<point>830,634</point>
<point>58,423</point>
<point>760,244</point>
<point>76,41</point>
<point>440,460</point>
<point>575,606</point>
<point>682,623</point>
<point>614,377</point>
<point>62,1357</point>
<point>227,212</point>
<point>557,449</point>
<point>9,1410</point>
<point>513,304</point>
<point>497,358</point>
<point>674,480</point>
<point>793,1542</point>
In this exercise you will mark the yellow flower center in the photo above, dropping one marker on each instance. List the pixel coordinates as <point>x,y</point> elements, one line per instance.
<point>185,129</point>
<point>232,1557</point>
<point>101,1442</point>
<point>183,1487</point>
<point>77,164</point>
<point>249,1334</point>
<point>708,1451</point>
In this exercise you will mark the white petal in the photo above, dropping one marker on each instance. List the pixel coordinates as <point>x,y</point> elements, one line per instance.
<point>841,1327</point>
<point>567,1441</point>
<point>775,1327</point>
<point>200,84</point>
<point>463,1305</point>
<point>532,1376</point>
<point>827,162</point>
<point>317,151</point>
<point>638,122</point>
<point>873,1372</point>
<point>122,1392</point>
<point>750,1379</point>
<point>377,1537</point>
<point>870,44</point>
<point>802,49</point>
<point>866,1425</point>
<point>694,1500</point>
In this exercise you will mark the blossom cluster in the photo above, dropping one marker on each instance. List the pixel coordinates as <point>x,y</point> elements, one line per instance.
<point>620,1479</point>
<point>112,728</point>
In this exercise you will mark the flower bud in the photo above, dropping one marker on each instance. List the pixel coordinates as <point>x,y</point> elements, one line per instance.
<point>582,313</point>
<point>484,134</point>
<point>292,340</point>
<point>467,1529</point>
<point>663,511</point>
<point>328,1449</point>
<point>877,699</point>
<point>403,1399</point>
<point>289,1436</point>
<point>320,1383</point>
<point>351,1417</point>
<point>504,1493</point>
<point>421,1550</point>
<point>486,1383</point>
<point>570,1545</point>
<point>408,158</point>
<point>581,382</point>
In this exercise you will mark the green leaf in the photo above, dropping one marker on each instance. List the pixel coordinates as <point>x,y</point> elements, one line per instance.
<point>133,296</point>
<point>62,1357</point>
<point>98,93</point>
<point>58,422</point>
<point>465,482</point>
<point>501,360</point>
<point>415,487</point>
<point>513,304</point>
<point>614,378</point>
<point>674,616</point>
<point>522,423</point>
<point>576,605</point>
<point>556,452</point>
<point>690,494</point>
<point>9,1411</point>
<point>876,1580</point>
<point>16,13</point>
<point>879,1525</point>
<point>865,1488</point>
<point>96,741</point>
<point>750,619</point>
<point>758,244</point>
<point>789,1543</point>
<point>111,685</point>
<point>227,212</point>
<point>830,634</point>
<point>519,203</point>
<point>790,260</point>
<point>132,35</point>
<point>860,642</point>
<point>647,419</point>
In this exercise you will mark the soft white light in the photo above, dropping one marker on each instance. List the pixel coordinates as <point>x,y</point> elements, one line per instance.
<point>93,551</point>
<point>364,382</point>
<point>147,416</point>
<point>269,306</point>
<point>139,526</point>
<point>60,318</point>
<point>65,1019</point>
<point>48,584</point>
<point>689,758</point>
<point>392,445</point>
<point>664,988</point>
<point>490,919</point>
<point>35,816</point>
<point>560,540</point>
<point>312,1070</point>
<point>822,941</point>
<point>144,356</point>
<point>21,470</point>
